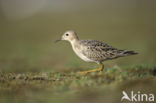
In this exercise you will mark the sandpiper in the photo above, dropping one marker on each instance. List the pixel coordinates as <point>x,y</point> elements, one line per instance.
<point>93,50</point>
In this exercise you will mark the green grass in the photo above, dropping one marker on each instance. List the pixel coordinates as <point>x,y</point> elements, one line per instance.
<point>67,86</point>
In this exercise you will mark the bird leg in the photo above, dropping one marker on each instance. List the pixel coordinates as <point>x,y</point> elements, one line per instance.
<point>100,69</point>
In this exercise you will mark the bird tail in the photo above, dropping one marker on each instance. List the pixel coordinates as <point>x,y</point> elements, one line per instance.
<point>123,53</point>
<point>126,53</point>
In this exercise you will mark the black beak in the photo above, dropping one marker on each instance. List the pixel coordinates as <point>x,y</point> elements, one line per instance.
<point>58,40</point>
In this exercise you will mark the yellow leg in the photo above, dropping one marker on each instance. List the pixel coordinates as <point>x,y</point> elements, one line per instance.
<point>100,69</point>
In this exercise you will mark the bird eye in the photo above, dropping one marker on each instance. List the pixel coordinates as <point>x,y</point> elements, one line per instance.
<point>67,34</point>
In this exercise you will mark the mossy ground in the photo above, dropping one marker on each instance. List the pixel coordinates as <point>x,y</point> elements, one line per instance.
<point>67,86</point>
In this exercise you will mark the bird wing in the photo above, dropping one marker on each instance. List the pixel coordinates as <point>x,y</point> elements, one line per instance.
<point>98,51</point>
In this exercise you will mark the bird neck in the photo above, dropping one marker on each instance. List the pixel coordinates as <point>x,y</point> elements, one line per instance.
<point>75,41</point>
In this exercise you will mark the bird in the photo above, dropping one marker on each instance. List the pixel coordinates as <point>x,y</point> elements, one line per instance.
<point>93,50</point>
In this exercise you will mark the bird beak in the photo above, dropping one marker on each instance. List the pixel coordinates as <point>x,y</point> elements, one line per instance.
<point>58,40</point>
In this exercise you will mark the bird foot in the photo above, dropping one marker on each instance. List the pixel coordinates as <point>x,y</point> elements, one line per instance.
<point>83,73</point>
<point>89,71</point>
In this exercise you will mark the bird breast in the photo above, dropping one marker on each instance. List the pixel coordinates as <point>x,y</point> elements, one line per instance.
<point>78,50</point>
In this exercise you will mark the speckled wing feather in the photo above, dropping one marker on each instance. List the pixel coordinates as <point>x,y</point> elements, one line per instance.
<point>99,51</point>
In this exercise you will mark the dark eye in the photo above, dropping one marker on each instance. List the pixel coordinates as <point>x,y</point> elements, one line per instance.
<point>67,34</point>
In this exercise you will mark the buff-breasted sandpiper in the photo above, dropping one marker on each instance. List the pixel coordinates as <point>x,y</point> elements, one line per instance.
<point>93,50</point>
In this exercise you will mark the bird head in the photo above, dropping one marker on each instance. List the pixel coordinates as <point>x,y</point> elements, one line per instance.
<point>69,35</point>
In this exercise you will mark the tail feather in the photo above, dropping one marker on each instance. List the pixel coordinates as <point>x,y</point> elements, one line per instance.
<point>129,52</point>
<point>126,53</point>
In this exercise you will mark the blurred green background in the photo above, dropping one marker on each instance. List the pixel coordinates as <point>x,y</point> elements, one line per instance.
<point>28,29</point>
